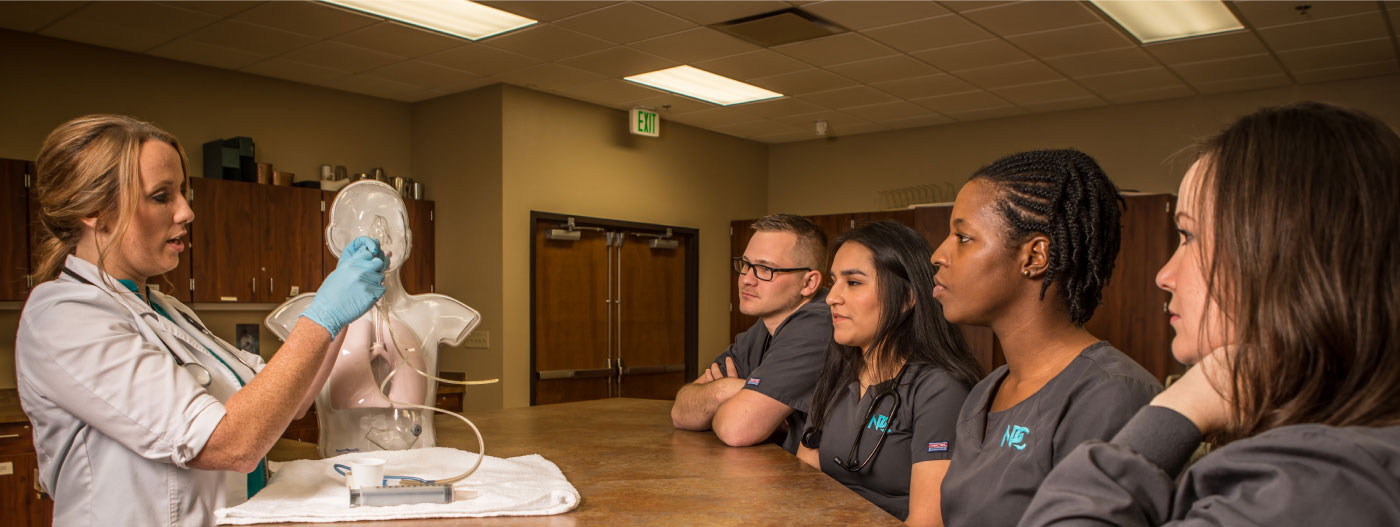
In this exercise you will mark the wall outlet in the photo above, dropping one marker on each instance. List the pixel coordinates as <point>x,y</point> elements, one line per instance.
<point>480,339</point>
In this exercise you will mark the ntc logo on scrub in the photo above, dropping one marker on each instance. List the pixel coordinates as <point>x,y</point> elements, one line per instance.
<point>878,422</point>
<point>1014,436</point>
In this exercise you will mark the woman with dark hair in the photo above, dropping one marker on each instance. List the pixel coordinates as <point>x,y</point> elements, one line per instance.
<point>1032,242</point>
<point>895,375</point>
<point>1286,290</point>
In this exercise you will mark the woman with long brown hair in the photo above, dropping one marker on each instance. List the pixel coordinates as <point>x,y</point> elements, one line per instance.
<point>141,415</point>
<point>1286,289</point>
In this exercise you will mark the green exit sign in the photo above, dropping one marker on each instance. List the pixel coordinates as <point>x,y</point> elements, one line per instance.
<point>644,122</point>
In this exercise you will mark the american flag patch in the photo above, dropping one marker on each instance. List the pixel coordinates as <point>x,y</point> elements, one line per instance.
<point>941,446</point>
<point>754,381</point>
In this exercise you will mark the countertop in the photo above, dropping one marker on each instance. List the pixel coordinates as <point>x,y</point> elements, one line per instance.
<point>633,468</point>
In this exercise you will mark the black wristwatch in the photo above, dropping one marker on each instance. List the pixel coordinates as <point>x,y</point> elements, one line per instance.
<point>812,438</point>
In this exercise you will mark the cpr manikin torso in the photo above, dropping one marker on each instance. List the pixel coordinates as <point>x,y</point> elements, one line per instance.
<point>352,414</point>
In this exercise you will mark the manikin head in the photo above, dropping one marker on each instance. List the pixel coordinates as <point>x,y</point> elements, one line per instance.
<point>374,209</point>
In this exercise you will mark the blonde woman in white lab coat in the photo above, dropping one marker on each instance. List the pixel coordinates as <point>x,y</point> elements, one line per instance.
<point>141,416</point>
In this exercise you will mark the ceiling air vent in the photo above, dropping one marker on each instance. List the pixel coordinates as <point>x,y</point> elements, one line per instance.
<point>780,27</point>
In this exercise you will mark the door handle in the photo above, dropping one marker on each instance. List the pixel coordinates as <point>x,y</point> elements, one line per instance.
<point>651,370</point>
<point>546,375</point>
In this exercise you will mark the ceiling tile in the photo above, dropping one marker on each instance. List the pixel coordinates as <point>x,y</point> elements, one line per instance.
<point>624,23</point>
<point>987,113</point>
<point>1354,71</point>
<point>245,36</point>
<point>890,68</point>
<point>549,77</point>
<point>855,129</point>
<point>972,55</point>
<point>931,119</point>
<point>401,40</point>
<point>1235,68</point>
<point>871,14</point>
<point>802,82</point>
<point>713,12</point>
<point>1323,32</point>
<point>130,26</point>
<point>968,5</point>
<point>383,88</point>
<point>295,71</point>
<point>610,92</point>
<point>805,135</point>
<point>752,65</point>
<point>1265,14</point>
<point>755,129</point>
<point>547,42</point>
<point>342,57</point>
<point>669,104</point>
<point>1101,62</point>
<point>221,8</point>
<point>618,62</point>
<point>1071,40</point>
<point>784,107</point>
<point>32,16</point>
<point>927,86</point>
<point>479,59</point>
<point>1210,47</point>
<point>1078,103</point>
<point>1012,74</point>
<point>546,10</point>
<point>1151,94</point>
<point>929,33</point>
<point>889,111</point>
<point>446,80</point>
<point>717,116</point>
<point>206,54</point>
<point>835,49</point>
<point>1043,92</point>
<point>313,19</point>
<point>1365,52</point>
<point>1155,77</point>
<point>837,122</point>
<point>849,97</point>
<point>1029,17</point>
<point>961,102</point>
<point>694,45</point>
<point>1242,83</point>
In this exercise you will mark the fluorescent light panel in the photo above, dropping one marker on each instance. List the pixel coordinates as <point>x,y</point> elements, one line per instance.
<point>1155,20</point>
<point>700,84</point>
<point>459,18</point>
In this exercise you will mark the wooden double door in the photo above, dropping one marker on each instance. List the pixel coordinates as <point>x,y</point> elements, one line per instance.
<point>613,309</point>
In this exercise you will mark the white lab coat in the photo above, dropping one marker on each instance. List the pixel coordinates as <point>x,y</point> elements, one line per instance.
<point>115,419</point>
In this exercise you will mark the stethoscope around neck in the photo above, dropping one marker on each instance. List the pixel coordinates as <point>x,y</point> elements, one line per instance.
<point>196,370</point>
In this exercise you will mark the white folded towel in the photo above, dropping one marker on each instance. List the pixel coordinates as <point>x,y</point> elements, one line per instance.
<point>311,491</point>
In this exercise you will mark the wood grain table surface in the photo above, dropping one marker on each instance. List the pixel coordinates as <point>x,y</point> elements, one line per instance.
<point>633,468</point>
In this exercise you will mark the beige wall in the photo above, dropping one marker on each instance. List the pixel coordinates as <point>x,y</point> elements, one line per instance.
<point>295,126</point>
<point>571,157</point>
<point>1136,144</point>
<point>457,153</point>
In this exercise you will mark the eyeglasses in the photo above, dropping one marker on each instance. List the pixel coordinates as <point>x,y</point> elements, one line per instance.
<point>762,272</point>
<point>850,463</point>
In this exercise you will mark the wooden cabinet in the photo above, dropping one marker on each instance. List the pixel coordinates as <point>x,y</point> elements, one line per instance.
<point>418,274</point>
<point>20,498</point>
<point>14,233</point>
<point>254,243</point>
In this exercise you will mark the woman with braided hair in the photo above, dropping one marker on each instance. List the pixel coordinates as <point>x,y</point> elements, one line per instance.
<point>1031,245</point>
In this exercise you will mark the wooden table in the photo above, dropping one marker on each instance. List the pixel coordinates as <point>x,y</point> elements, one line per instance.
<point>633,468</point>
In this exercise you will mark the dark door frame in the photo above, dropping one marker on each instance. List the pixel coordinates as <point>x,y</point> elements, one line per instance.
<point>692,280</point>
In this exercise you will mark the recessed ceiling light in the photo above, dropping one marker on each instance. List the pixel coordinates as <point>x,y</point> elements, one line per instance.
<point>1155,21</point>
<point>703,85</point>
<point>459,18</point>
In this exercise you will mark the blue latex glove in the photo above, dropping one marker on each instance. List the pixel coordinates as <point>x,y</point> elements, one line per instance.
<point>352,288</point>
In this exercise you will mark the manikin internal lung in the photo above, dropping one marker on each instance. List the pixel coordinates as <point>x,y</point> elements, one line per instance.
<point>395,340</point>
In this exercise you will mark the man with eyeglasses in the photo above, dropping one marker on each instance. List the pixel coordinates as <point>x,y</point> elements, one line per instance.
<point>761,386</point>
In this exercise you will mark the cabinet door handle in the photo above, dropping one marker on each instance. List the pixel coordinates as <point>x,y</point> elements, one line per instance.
<point>9,436</point>
<point>255,287</point>
<point>271,289</point>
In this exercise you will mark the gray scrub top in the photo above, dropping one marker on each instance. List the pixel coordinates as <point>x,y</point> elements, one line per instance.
<point>921,429</point>
<point>1299,475</point>
<point>1003,456</point>
<point>786,365</point>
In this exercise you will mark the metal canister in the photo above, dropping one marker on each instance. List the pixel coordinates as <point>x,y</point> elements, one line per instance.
<point>417,191</point>
<point>341,172</point>
<point>400,185</point>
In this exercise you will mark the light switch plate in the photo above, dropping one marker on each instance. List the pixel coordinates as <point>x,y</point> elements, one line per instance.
<point>7,468</point>
<point>480,339</point>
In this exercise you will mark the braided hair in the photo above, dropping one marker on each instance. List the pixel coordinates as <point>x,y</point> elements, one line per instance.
<point>1062,194</point>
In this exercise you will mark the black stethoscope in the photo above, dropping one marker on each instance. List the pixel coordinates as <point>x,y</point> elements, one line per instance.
<point>196,370</point>
<point>812,437</point>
